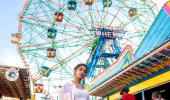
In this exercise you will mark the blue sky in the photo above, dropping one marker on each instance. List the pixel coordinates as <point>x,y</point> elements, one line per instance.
<point>10,10</point>
<point>8,24</point>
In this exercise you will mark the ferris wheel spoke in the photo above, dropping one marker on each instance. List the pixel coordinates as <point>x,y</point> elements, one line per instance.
<point>42,57</point>
<point>143,12</point>
<point>107,11</point>
<point>32,36</point>
<point>67,59</point>
<point>91,16</point>
<point>98,16</point>
<point>119,8</point>
<point>77,15</point>
<point>59,41</point>
<point>50,22</point>
<point>83,21</point>
<point>43,6</point>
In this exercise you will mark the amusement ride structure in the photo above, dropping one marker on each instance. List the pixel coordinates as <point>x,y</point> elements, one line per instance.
<point>108,35</point>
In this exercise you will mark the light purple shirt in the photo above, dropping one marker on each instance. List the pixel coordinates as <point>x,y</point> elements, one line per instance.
<point>70,92</point>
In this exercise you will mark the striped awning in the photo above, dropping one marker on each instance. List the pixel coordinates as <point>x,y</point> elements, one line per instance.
<point>141,69</point>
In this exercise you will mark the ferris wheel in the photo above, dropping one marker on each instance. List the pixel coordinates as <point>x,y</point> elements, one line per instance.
<point>55,35</point>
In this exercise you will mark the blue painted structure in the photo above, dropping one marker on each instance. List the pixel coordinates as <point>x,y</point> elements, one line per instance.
<point>157,34</point>
<point>104,35</point>
<point>123,61</point>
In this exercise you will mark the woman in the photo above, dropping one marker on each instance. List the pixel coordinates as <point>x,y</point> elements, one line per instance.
<point>156,95</point>
<point>74,90</point>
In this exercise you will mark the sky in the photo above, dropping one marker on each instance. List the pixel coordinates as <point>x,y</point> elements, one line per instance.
<point>9,12</point>
<point>8,24</point>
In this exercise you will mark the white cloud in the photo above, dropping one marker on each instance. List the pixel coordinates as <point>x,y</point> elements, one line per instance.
<point>10,57</point>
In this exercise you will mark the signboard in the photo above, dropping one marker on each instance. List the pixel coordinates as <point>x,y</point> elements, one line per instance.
<point>11,74</point>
